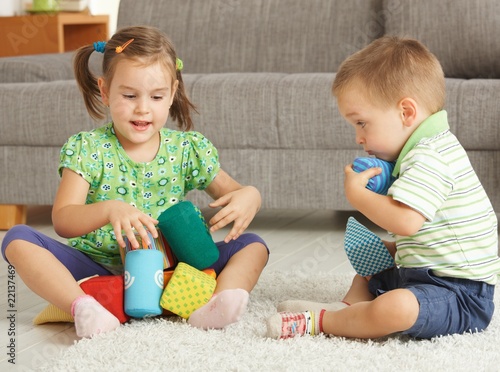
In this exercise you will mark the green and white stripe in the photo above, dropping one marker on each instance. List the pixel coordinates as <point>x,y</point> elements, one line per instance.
<point>459,237</point>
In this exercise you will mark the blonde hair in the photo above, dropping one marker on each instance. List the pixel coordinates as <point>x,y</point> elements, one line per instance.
<point>392,68</point>
<point>150,46</point>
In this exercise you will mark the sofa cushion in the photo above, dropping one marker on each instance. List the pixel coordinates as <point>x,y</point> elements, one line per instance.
<point>473,112</point>
<point>268,111</point>
<point>457,32</point>
<point>260,35</point>
<point>29,174</point>
<point>42,114</point>
<point>237,110</point>
<point>308,114</point>
<point>289,178</point>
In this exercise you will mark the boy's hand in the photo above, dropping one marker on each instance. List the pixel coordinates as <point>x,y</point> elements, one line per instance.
<point>354,181</point>
<point>126,218</point>
<point>239,206</point>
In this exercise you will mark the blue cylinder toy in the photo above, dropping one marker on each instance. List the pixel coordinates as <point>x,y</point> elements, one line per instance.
<point>381,182</point>
<point>143,283</point>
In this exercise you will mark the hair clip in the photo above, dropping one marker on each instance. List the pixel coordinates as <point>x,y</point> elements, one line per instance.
<point>121,48</point>
<point>99,46</point>
<point>178,64</point>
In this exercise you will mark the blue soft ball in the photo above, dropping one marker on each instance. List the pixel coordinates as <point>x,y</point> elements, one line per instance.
<point>381,182</point>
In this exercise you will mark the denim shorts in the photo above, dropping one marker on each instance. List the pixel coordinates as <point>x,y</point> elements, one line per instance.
<point>447,305</point>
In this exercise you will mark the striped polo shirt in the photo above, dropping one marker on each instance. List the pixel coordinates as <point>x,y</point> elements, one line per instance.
<point>434,177</point>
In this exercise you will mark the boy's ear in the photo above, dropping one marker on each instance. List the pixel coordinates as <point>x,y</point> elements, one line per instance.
<point>104,91</point>
<point>408,108</point>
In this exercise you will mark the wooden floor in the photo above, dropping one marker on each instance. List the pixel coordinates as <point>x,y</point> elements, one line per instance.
<point>306,241</point>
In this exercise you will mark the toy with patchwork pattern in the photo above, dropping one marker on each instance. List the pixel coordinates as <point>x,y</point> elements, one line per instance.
<point>365,250</point>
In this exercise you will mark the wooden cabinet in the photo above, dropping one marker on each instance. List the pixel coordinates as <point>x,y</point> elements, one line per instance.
<point>50,32</point>
<point>11,215</point>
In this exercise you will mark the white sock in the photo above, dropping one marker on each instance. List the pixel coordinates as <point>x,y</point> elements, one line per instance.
<point>91,317</point>
<point>287,325</point>
<point>294,306</point>
<point>223,309</point>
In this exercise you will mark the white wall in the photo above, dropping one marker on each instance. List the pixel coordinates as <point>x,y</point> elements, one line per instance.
<point>109,7</point>
<point>10,7</point>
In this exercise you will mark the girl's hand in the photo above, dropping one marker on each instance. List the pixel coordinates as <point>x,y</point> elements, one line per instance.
<point>239,206</point>
<point>125,218</point>
<point>72,217</point>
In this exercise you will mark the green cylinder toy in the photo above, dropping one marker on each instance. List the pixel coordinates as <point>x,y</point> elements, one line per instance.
<point>188,236</point>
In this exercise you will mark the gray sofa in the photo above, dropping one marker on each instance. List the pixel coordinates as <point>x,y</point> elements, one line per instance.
<point>260,73</point>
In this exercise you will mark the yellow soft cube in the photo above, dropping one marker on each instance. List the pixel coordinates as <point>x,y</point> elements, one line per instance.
<point>188,290</point>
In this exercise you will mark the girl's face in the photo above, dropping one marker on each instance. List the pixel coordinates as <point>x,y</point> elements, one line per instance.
<point>381,131</point>
<point>139,98</point>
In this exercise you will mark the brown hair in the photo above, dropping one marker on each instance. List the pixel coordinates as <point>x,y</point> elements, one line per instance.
<point>150,46</point>
<point>391,68</point>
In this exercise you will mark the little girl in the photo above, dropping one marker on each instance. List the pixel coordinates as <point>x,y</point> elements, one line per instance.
<point>122,176</point>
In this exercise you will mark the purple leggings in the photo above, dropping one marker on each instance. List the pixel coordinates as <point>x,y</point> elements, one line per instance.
<point>81,266</point>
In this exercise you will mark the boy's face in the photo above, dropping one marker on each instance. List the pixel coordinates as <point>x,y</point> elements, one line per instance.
<point>379,130</point>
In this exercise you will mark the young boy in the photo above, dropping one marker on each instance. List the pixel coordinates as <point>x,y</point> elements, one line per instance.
<point>446,242</point>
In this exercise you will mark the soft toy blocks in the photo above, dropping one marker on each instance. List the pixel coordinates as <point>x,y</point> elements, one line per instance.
<point>107,290</point>
<point>187,290</point>
<point>381,182</point>
<point>365,250</point>
<point>188,236</point>
<point>143,278</point>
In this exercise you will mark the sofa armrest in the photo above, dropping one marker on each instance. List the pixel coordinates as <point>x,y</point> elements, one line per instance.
<point>36,68</point>
<point>41,67</point>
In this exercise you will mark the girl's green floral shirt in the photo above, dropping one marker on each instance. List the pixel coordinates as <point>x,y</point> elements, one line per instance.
<point>185,161</point>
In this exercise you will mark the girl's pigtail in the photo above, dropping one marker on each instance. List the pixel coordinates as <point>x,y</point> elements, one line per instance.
<point>87,82</point>
<point>180,111</point>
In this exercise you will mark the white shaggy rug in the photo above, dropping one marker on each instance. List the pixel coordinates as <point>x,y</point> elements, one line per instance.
<point>170,344</point>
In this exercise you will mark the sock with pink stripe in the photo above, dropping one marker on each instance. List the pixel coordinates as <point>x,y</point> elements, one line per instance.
<point>287,325</point>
